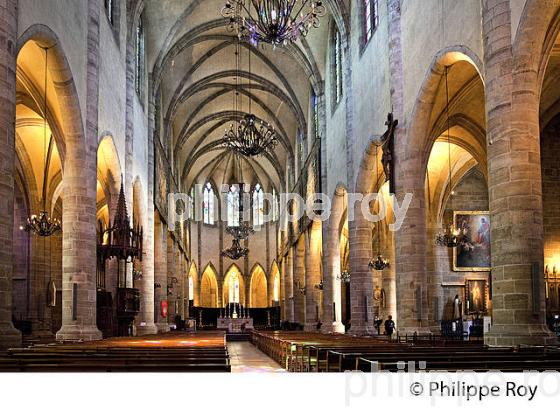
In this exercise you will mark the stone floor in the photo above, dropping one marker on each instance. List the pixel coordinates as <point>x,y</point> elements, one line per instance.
<point>245,357</point>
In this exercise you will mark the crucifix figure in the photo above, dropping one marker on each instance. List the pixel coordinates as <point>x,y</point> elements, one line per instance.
<point>387,146</point>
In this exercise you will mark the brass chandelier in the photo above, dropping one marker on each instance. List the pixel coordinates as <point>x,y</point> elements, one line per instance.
<point>277,22</point>
<point>239,233</point>
<point>43,224</point>
<point>451,236</point>
<point>248,137</point>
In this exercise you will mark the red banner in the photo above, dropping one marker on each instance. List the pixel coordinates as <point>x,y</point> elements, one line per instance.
<point>164,308</point>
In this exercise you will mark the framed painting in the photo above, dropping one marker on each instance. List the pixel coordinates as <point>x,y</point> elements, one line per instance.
<point>161,180</point>
<point>476,295</point>
<point>473,255</point>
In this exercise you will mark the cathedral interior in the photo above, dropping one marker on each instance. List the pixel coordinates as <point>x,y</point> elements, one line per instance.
<point>162,162</point>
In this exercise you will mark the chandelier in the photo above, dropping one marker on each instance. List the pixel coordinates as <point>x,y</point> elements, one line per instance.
<point>43,224</point>
<point>379,263</point>
<point>240,232</point>
<point>451,237</point>
<point>344,276</point>
<point>276,22</point>
<point>249,138</point>
<point>235,252</point>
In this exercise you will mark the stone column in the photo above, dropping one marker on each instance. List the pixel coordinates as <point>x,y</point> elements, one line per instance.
<point>145,320</point>
<point>147,311</point>
<point>9,336</point>
<point>312,276</point>
<point>160,272</point>
<point>299,281</point>
<point>79,290</point>
<point>361,280</point>
<point>410,249</point>
<point>332,296</point>
<point>289,286</point>
<point>515,190</point>
<point>171,274</point>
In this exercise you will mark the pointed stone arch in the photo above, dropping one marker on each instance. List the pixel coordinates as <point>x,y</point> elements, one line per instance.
<point>233,274</point>
<point>79,191</point>
<point>258,288</point>
<point>209,287</point>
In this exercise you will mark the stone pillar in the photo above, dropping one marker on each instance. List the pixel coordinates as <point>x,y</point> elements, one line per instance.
<point>299,281</point>
<point>410,250</point>
<point>40,322</point>
<point>160,272</point>
<point>171,275</point>
<point>361,280</point>
<point>79,287</point>
<point>312,276</point>
<point>145,320</point>
<point>147,314</point>
<point>515,190</point>
<point>9,336</point>
<point>332,296</point>
<point>289,286</point>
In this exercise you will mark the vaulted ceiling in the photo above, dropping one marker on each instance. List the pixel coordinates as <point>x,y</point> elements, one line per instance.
<point>191,57</point>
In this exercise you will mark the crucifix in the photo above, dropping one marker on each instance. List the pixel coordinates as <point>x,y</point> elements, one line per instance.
<point>388,146</point>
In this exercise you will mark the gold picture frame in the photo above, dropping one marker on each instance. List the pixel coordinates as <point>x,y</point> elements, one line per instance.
<point>475,254</point>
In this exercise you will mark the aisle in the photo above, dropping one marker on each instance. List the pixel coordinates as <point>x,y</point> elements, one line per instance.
<point>245,357</point>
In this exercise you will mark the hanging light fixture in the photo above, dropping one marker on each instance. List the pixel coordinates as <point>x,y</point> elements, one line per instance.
<point>380,263</point>
<point>344,276</point>
<point>235,252</point>
<point>276,22</point>
<point>43,224</point>
<point>249,137</point>
<point>241,232</point>
<point>450,237</point>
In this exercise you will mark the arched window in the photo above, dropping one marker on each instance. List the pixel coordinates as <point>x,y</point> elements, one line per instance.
<point>140,57</point>
<point>109,10</point>
<point>233,206</point>
<point>191,288</point>
<point>315,113</point>
<point>233,288</point>
<point>370,19</point>
<point>337,66</point>
<point>258,206</point>
<point>302,142</point>
<point>275,206</point>
<point>276,289</point>
<point>191,204</point>
<point>208,204</point>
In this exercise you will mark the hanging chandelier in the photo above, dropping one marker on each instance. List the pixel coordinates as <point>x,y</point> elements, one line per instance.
<point>240,232</point>
<point>380,263</point>
<point>248,137</point>
<point>277,22</point>
<point>344,276</point>
<point>235,252</point>
<point>43,224</point>
<point>451,237</point>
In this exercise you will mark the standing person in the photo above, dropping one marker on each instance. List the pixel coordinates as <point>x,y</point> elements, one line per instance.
<point>389,326</point>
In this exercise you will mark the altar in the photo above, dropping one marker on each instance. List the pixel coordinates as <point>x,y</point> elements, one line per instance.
<point>235,325</point>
